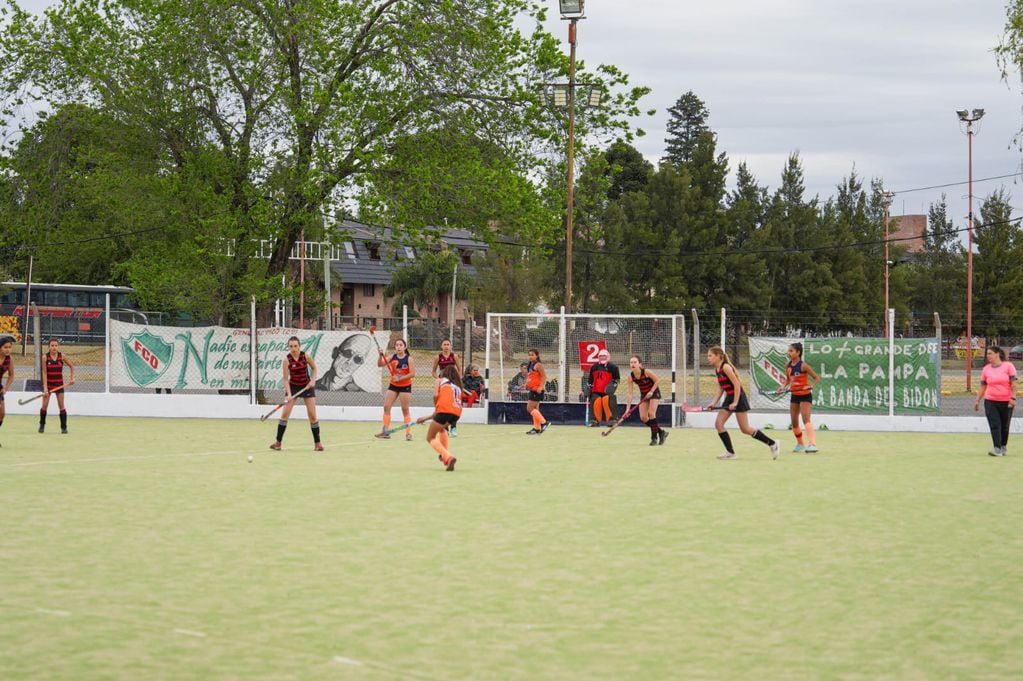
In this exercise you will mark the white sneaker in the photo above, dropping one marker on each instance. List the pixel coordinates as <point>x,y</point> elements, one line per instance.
<point>775,450</point>
<point>728,456</point>
<point>995,451</point>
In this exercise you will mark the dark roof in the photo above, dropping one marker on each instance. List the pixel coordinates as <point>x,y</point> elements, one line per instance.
<point>362,269</point>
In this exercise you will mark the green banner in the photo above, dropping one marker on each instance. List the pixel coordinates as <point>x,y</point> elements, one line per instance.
<point>853,372</point>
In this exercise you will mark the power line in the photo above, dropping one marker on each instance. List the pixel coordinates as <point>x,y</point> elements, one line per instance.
<point>956,184</point>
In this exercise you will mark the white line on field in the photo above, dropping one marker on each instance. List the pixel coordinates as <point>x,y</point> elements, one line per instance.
<point>55,613</point>
<point>347,660</point>
<point>190,632</point>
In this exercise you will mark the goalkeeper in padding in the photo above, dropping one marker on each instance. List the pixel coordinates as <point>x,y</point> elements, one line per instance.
<point>603,382</point>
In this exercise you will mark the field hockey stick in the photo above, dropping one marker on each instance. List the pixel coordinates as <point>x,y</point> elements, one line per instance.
<point>687,408</point>
<point>624,416</point>
<point>773,393</point>
<point>372,332</point>
<point>273,411</point>
<point>36,397</point>
<point>403,426</point>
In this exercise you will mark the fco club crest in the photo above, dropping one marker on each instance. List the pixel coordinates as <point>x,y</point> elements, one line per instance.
<point>146,357</point>
<point>768,371</point>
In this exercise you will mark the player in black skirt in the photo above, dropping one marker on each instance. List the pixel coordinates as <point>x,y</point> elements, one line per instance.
<point>735,402</point>
<point>53,378</point>
<point>649,398</point>
<point>299,376</point>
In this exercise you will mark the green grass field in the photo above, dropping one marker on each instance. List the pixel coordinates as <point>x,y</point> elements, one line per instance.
<point>151,549</point>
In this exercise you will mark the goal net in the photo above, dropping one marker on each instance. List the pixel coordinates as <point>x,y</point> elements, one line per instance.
<point>568,345</point>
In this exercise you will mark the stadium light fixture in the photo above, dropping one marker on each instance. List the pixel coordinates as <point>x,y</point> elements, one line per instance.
<point>569,7</point>
<point>965,117</point>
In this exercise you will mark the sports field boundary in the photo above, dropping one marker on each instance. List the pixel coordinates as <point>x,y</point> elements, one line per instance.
<point>238,407</point>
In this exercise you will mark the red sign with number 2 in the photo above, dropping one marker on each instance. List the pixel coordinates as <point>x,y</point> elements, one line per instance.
<point>588,351</point>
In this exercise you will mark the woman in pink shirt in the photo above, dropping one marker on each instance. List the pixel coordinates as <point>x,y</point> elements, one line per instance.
<point>998,390</point>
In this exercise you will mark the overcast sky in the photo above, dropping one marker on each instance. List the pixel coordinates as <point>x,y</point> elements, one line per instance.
<point>872,84</point>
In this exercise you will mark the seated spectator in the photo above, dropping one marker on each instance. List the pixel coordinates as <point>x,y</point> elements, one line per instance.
<point>517,386</point>
<point>472,384</point>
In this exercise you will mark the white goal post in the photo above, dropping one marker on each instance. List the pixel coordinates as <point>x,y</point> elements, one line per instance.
<point>568,342</point>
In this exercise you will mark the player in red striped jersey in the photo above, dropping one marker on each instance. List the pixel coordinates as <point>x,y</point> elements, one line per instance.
<point>53,377</point>
<point>649,398</point>
<point>735,402</point>
<point>299,375</point>
<point>6,368</point>
<point>446,358</point>
<point>797,373</point>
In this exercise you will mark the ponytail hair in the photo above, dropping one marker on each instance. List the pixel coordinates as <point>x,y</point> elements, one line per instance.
<point>798,347</point>
<point>451,373</point>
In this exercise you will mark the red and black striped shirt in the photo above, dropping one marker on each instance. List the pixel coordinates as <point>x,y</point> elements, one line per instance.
<point>54,370</point>
<point>724,382</point>
<point>644,382</point>
<point>298,369</point>
<point>5,366</point>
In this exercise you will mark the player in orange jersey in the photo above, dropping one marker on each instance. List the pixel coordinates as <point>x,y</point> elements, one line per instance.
<point>403,369</point>
<point>797,380</point>
<point>536,379</point>
<point>447,408</point>
<point>6,367</point>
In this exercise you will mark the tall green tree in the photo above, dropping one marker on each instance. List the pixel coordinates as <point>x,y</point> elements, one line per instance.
<point>801,285</point>
<point>629,171</point>
<point>744,280</point>
<point>998,277</point>
<point>82,189</point>
<point>687,120</point>
<point>287,110</point>
<point>937,275</point>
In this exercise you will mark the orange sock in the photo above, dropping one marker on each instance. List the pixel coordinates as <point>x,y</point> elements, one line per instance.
<point>443,435</point>
<point>538,419</point>
<point>809,433</point>
<point>798,433</point>
<point>387,421</point>
<point>439,447</point>
<point>408,421</point>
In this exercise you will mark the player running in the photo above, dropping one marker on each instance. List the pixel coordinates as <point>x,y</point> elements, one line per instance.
<point>299,377</point>
<point>447,408</point>
<point>536,379</point>
<point>649,397</point>
<point>797,377</point>
<point>603,381</point>
<point>6,368</point>
<point>736,403</point>
<point>53,378</point>
<point>402,369</point>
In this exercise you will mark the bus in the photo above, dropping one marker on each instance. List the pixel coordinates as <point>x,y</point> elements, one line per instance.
<point>71,312</point>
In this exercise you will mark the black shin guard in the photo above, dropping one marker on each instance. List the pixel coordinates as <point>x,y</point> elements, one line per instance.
<point>759,435</point>
<point>315,427</point>
<point>726,439</point>
<point>63,420</point>
<point>281,425</point>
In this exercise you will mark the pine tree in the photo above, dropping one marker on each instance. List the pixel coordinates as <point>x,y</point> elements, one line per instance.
<point>687,120</point>
<point>998,278</point>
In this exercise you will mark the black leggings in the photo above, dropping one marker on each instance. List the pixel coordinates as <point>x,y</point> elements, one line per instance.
<point>998,415</point>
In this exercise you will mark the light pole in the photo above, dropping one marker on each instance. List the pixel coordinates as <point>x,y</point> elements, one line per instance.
<point>886,198</point>
<point>563,95</point>
<point>969,118</point>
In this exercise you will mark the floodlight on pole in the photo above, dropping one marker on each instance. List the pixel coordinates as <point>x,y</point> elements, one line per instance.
<point>571,7</point>
<point>564,95</point>
<point>969,119</point>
